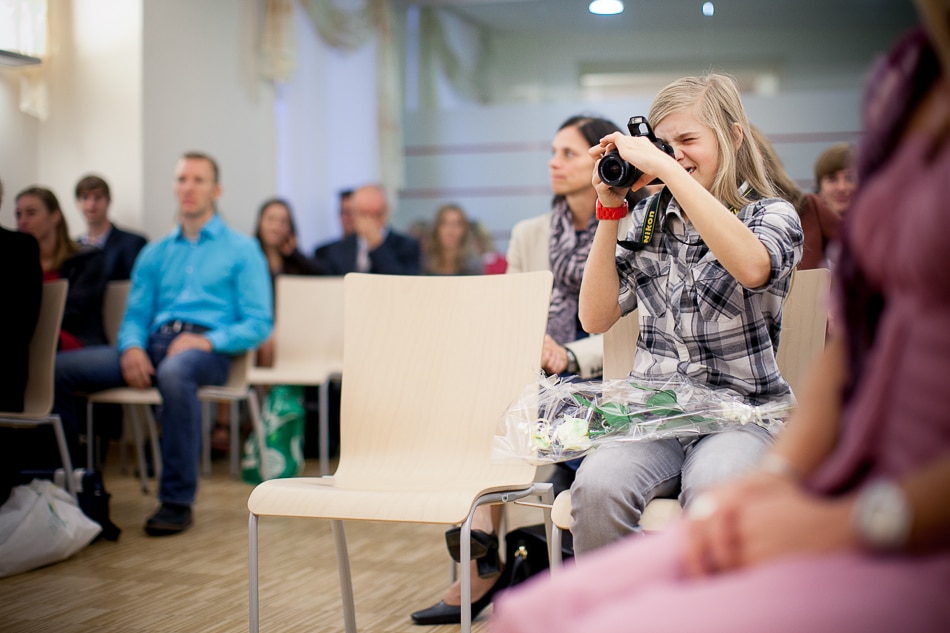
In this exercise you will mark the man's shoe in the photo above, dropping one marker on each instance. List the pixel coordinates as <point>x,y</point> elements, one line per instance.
<point>442,613</point>
<point>171,518</point>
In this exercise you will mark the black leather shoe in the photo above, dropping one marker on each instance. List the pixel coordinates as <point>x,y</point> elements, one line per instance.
<point>442,613</point>
<point>171,518</point>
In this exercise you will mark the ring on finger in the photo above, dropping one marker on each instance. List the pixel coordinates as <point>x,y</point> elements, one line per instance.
<point>702,507</point>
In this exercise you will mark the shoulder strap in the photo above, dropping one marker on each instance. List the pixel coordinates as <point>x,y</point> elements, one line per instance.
<point>660,201</point>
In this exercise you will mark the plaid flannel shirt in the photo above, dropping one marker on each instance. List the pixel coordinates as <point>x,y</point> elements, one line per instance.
<point>695,318</point>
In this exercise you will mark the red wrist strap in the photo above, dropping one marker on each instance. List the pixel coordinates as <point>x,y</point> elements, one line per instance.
<point>611,213</point>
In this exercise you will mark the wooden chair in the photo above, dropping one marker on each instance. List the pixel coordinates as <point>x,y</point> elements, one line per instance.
<point>804,321</point>
<point>38,397</point>
<point>137,403</point>
<point>431,364</point>
<point>308,343</point>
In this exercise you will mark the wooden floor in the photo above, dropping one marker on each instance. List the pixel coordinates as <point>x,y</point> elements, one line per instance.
<point>197,581</point>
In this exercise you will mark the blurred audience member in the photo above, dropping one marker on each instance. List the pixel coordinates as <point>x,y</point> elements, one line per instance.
<point>449,246</point>
<point>374,247</point>
<point>347,223</point>
<point>39,214</point>
<point>493,261</point>
<point>121,247</point>
<point>834,177</point>
<point>819,224</point>
<point>199,296</point>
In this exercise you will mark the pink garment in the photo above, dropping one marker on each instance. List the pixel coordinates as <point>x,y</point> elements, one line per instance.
<point>897,420</point>
<point>636,585</point>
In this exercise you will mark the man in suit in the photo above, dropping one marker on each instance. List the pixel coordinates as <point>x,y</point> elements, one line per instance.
<point>347,224</point>
<point>199,296</point>
<point>374,247</point>
<point>120,247</point>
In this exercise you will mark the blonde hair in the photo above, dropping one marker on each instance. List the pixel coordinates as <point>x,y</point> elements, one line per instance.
<point>435,252</point>
<point>714,101</point>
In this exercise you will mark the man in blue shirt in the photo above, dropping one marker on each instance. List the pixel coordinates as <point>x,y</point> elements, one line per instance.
<point>198,296</point>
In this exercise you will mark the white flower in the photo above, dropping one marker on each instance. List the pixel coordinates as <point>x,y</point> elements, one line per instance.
<point>571,434</point>
<point>738,412</point>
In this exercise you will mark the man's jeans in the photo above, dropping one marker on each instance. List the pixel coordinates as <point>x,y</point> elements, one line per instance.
<point>177,379</point>
<point>615,483</point>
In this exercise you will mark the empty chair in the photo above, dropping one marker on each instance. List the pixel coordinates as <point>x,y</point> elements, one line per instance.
<point>431,365</point>
<point>308,343</point>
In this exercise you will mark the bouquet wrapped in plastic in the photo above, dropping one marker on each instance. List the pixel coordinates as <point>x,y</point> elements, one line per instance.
<point>556,421</point>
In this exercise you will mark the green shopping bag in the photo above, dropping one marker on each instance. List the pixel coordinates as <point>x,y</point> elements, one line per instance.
<point>282,416</point>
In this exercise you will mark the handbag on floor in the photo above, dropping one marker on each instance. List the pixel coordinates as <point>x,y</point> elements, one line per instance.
<point>526,551</point>
<point>41,524</point>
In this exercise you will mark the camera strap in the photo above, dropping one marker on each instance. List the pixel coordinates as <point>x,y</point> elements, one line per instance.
<point>660,201</point>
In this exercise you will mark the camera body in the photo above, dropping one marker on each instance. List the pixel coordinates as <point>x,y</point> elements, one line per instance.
<point>615,171</point>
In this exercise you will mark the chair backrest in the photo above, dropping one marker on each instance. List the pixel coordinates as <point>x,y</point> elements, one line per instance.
<point>431,365</point>
<point>113,308</point>
<point>804,319</point>
<point>308,320</point>
<point>620,346</point>
<point>38,397</point>
<point>804,322</point>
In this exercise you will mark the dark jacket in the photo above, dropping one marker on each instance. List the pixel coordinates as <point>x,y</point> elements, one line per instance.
<point>121,249</point>
<point>22,289</point>
<point>86,273</point>
<point>397,255</point>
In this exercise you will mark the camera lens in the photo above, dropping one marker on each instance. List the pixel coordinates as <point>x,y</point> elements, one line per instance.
<point>616,172</point>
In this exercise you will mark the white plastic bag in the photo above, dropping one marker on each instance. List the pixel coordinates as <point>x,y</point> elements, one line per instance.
<point>41,524</point>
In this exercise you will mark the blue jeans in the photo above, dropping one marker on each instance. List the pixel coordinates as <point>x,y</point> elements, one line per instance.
<point>616,482</point>
<point>177,379</point>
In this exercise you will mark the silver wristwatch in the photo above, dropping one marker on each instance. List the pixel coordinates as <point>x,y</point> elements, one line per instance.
<point>882,516</point>
<point>573,367</point>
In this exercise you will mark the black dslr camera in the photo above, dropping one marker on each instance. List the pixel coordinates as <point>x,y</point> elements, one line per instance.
<point>615,171</point>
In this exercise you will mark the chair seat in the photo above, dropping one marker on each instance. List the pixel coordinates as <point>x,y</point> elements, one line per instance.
<point>659,514</point>
<point>320,497</point>
<point>225,393</point>
<point>293,373</point>
<point>126,395</point>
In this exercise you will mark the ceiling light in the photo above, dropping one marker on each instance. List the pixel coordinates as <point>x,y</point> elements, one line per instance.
<point>709,9</point>
<point>606,7</point>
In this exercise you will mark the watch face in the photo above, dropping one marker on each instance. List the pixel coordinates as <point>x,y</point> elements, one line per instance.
<point>882,515</point>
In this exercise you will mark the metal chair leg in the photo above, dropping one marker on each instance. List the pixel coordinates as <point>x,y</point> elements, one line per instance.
<point>346,581</point>
<point>253,598</point>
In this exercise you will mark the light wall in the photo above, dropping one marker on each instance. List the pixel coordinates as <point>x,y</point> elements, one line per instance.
<point>131,86</point>
<point>201,91</point>
<point>94,123</point>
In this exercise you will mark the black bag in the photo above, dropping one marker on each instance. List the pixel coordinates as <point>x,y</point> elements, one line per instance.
<point>527,552</point>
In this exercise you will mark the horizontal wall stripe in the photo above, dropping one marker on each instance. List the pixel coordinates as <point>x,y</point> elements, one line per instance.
<point>477,148</point>
<point>473,192</point>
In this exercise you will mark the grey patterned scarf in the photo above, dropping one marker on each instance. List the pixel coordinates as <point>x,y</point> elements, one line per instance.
<point>568,253</point>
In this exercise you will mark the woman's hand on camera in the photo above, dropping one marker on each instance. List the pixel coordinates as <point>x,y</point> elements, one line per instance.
<point>640,152</point>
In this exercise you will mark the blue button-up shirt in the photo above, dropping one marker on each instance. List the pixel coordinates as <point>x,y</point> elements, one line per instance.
<point>220,281</point>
